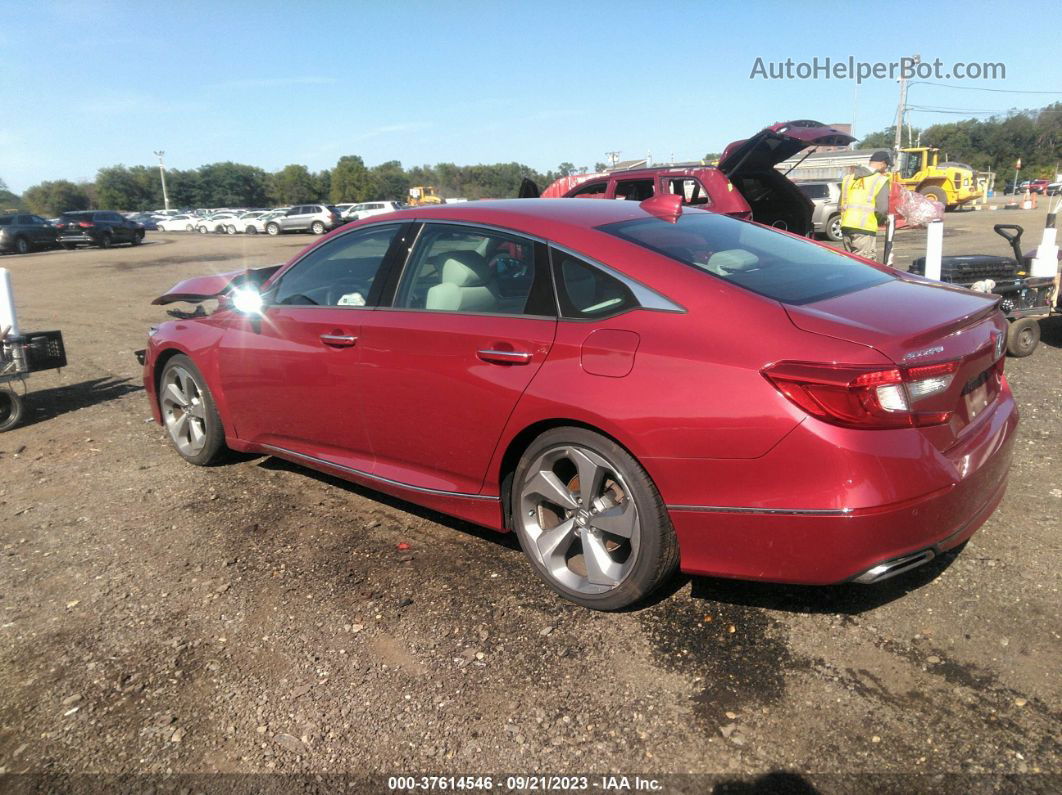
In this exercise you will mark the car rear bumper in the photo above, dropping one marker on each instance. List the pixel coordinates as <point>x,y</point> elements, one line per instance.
<point>864,544</point>
<point>76,239</point>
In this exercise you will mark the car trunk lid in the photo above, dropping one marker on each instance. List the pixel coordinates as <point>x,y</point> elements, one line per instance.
<point>918,324</point>
<point>776,143</point>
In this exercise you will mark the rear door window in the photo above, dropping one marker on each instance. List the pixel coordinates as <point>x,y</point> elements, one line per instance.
<point>634,189</point>
<point>482,271</point>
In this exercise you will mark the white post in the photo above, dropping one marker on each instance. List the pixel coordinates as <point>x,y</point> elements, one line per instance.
<point>1045,263</point>
<point>934,249</point>
<point>8,318</point>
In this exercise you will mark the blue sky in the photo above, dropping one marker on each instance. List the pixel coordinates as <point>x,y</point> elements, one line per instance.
<point>92,84</point>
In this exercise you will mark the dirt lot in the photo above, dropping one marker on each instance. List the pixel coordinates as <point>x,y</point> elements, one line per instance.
<point>257,617</point>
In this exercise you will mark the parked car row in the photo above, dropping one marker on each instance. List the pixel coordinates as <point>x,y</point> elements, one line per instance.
<point>315,218</point>
<point>24,232</point>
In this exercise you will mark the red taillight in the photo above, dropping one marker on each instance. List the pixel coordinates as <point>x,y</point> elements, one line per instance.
<point>856,396</point>
<point>85,224</point>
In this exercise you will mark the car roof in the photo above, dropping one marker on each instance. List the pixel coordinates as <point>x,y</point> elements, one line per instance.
<point>541,217</point>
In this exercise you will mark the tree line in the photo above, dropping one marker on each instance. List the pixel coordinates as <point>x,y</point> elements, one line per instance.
<point>132,188</point>
<point>993,144</point>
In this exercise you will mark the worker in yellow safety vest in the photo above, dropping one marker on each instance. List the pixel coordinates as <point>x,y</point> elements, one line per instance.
<point>865,206</point>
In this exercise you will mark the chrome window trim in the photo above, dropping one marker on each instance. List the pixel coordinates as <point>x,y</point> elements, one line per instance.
<point>282,451</point>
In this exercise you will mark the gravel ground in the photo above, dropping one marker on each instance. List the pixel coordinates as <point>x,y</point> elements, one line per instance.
<point>158,618</point>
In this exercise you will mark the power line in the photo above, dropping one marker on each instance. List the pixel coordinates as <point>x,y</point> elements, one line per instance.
<point>979,88</point>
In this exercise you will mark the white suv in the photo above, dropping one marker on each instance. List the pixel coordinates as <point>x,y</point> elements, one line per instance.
<point>366,209</point>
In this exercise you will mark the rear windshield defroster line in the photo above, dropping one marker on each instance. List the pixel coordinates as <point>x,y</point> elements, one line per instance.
<point>765,261</point>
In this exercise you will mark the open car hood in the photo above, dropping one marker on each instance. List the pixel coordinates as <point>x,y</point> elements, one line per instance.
<point>778,142</point>
<point>202,288</point>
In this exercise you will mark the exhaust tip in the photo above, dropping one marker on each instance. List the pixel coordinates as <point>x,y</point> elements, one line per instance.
<point>890,568</point>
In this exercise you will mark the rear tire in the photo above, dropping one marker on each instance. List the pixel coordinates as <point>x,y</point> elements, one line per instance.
<point>252,229</point>
<point>604,545</point>
<point>273,229</point>
<point>1023,336</point>
<point>189,413</point>
<point>189,228</point>
<point>106,241</point>
<point>317,228</point>
<point>230,229</point>
<point>11,409</point>
<point>138,238</point>
<point>203,230</point>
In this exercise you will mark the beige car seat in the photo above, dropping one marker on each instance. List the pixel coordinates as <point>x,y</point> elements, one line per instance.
<point>466,285</point>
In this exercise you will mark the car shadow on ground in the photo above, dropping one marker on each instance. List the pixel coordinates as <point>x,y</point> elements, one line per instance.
<point>45,404</point>
<point>846,598</point>
<point>1051,331</point>
<point>507,540</point>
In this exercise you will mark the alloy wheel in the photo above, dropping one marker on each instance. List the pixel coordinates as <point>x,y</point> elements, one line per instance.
<point>183,410</point>
<point>581,519</point>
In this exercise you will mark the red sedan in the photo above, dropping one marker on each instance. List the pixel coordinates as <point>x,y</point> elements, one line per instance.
<point>629,387</point>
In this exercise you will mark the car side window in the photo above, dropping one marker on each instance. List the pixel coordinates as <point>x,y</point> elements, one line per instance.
<point>634,189</point>
<point>586,292</point>
<point>690,189</point>
<point>463,269</point>
<point>593,189</point>
<point>339,273</point>
<point>25,220</point>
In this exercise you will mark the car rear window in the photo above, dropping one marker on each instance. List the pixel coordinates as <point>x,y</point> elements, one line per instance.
<point>767,262</point>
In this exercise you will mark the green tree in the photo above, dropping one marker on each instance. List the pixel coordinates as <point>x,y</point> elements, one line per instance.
<point>566,169</point>
<point>351,181</point>
<point>9,200</point>
<point>322,181</point>
<point>118,188</point>
<point>232,185</point>
<point>291,185</point>
<point>55,197</point>
<point>389,181</point>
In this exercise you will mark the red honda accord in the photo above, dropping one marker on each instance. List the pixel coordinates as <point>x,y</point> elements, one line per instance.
<point>629,387</point>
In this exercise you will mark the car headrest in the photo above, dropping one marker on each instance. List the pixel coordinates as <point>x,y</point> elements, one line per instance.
<point>732,260</point>
<point>465,269</point>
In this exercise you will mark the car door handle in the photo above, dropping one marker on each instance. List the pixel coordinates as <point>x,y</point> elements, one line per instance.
<point>339,340</point>
<point>503,357</point>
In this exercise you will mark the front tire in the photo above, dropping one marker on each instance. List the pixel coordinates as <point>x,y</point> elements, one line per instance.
<point>273,229</point>
<point>138,238</point>
<point>833,228</point>
<point>590,520</point>
<point>1023,336</point>
<point>189,412</point>
<point>189,228</point>
<point>933,192</point>
<point>230,229</point>
<point>252,229</point>
<point>22,246</point>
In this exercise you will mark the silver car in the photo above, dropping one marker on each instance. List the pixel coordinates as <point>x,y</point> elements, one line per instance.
<point>316,218</point>
<point>826,196</point>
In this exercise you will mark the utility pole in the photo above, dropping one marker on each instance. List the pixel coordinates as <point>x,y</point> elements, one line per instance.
<point>159,153</point>
<point>901,111</point>
<point>613,157</point>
